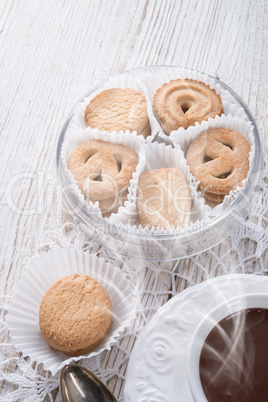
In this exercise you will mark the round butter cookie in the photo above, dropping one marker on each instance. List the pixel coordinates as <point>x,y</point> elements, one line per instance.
<point>182,103</point>
<point>118,109</point>
<point>75,315</point>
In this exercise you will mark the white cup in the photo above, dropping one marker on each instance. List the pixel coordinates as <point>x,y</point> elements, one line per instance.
<point>231,306</point>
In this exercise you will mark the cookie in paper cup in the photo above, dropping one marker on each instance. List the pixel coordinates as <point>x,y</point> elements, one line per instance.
<point>118,109</point>
<point>161,156</point>
<point>42,273</point>
<point>122,139</point>
<point>119,96</point>
<point>183,139</point>
<point>165,77</point>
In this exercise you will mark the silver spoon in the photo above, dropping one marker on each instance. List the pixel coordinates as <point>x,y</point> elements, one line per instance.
<point>80,385</point>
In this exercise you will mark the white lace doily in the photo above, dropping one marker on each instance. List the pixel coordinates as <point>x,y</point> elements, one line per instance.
<point>244,252</point>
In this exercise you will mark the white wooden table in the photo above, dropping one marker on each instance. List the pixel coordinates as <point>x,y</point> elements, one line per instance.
<point>52,52</point>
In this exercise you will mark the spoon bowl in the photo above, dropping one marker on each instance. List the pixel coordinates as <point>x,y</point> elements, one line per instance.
<point>80,385</point>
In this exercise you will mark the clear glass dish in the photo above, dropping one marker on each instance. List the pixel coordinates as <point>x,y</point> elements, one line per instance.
<point>166,246</point>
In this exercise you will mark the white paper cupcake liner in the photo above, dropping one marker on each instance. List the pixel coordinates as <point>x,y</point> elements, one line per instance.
<point>152,81</point>
<point>43,271</point>
<point>118,81</point>
<point>160,156</point>
<point>76,137</point>
<point>183,139</point>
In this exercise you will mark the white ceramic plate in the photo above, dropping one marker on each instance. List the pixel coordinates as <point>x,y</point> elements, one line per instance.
<point>157,366</point>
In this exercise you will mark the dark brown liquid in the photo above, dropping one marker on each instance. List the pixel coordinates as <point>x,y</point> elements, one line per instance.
<point>234,359</point>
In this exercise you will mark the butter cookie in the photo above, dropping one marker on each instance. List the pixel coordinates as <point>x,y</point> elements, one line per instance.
<point>183,102</point>
<point>118,109</point>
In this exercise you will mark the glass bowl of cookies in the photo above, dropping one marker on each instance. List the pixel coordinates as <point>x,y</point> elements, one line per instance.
<point>160,163</point>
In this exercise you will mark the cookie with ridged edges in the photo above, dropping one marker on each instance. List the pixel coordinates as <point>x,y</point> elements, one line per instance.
<point>183,102</point>
<point>219,160</point>
<point>103,172</point>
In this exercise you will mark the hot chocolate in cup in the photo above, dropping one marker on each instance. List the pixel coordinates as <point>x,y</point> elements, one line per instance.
<point>228,352</point>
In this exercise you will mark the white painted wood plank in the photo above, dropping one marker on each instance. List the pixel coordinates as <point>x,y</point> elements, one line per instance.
<point>51,53</point>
